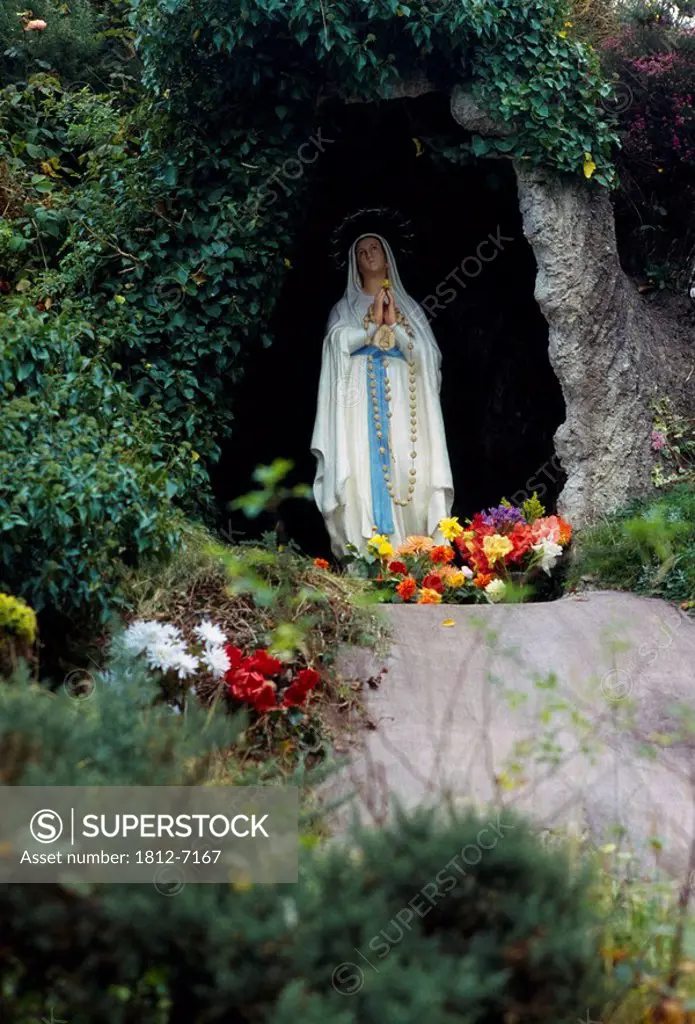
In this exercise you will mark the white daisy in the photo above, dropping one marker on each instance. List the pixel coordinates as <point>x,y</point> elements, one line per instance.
<point>140,635</point>
<point>187,665</point>
<point>210,634</point>
<point>166,656</point>
<point>216,660</point>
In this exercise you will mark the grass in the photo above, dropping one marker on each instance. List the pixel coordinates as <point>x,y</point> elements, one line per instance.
<point>647,547</point>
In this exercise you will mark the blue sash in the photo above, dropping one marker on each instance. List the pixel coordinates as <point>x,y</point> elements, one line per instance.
<point>382,509</point>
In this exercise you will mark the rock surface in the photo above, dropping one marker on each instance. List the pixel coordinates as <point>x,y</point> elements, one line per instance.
<point>611,355</point>
<point>456,699</point>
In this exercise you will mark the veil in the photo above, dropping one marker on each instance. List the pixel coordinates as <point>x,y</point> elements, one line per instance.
<point>350,307</point>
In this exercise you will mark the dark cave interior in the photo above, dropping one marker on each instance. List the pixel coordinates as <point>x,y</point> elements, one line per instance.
<point>500,398</point>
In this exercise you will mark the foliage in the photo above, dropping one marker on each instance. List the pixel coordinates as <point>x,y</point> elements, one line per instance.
<point>652,58</point>
<point>262,598</point>
<point>87,476</point>
<point>648,547</point>
<point>674,438</point>
<point>167,202</point>
<point>462,915</point>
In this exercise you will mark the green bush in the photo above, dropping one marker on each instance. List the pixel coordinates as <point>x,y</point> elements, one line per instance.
<point>509,932</point>
<point>87,476</point>
<point>648,547</point>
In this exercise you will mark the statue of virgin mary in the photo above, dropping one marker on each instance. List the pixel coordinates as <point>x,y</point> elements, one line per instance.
<point>379,441</point>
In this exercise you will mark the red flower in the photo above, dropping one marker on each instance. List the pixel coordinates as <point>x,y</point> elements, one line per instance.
<point>265,698</point>
<point>442,554</point>
<point>296,693</point>
<point>522,539</point>
<point>406,588</point>
<point>241,684</point>
<point>433,581</point>
<point>261,661</point>
<point>321,563</point>
<point>253,688</point>
<point>235,656</point>
<point>398,568</point>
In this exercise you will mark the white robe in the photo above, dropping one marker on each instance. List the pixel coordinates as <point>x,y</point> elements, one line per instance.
<point>340,442</point>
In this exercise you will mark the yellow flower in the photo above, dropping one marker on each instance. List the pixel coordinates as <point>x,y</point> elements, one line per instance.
<point>451,527</point>
<point>496,546</point>
<point>17,618</point>
<point>589,165</point>
<point>428,596</point>
<point>377,540</point>
<point>451,576</point>
<point>562,35</point>
<point>386,549</point>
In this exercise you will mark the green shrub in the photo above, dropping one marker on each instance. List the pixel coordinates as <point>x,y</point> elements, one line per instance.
<point>87,477</point>
<point>503,929</point>
<point>648,547</point>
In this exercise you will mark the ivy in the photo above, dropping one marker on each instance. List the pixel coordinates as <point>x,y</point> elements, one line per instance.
<point>169,204</point>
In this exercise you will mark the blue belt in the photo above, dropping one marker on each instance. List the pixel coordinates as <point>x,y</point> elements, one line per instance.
<point>379,463</point>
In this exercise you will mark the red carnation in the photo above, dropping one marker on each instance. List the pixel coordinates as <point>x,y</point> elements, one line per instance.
<point>235,656</point>
<point>296,693</point>
<point>398,568</point>
<point>261,661</point>
<point>265,698</point>
<point>433,581</point>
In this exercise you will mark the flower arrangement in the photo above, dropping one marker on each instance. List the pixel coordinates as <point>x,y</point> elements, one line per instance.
<point>481,561</point>
<point>258,680</point>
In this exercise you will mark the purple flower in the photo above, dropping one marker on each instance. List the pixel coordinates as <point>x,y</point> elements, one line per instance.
<point>502,516</point>
<point>658,441</point>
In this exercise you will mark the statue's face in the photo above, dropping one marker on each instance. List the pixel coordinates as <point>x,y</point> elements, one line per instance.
<point>371,258</point>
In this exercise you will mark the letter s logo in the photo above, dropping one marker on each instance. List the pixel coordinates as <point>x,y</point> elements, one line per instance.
<point>46,826</point>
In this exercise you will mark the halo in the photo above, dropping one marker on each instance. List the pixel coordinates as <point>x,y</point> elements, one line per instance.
<point>392,225</point>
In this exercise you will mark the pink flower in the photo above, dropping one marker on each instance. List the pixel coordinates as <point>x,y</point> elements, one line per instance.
<point>36,25</point>
<point>658,441</point>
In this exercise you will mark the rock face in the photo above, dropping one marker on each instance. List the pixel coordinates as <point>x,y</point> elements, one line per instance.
<point>458,700</point>
<point>609,353</point>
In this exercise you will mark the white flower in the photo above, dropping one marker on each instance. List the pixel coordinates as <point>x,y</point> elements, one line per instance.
<point>549,552</point>
<point>495,590</point>
<point>467,572</point>
<point>168,656</point>
<point>210,634</point>
<point>216,660</point>
<point>140,635</point>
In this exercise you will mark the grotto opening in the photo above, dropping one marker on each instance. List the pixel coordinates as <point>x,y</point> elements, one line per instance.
<point>472,270</point>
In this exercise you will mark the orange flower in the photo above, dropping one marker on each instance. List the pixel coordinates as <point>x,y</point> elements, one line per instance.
<point>442,554</point>
<point>415,546</point>
<point>429,597</point>
<point>482,579</point>
<point>321,563</point>
<point>565,531</point>
<point>406,588</point>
